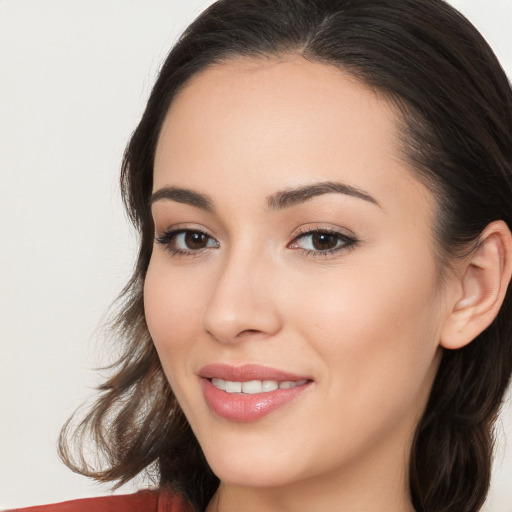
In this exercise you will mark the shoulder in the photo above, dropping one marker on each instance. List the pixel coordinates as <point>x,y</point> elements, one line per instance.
<point>142,501</point>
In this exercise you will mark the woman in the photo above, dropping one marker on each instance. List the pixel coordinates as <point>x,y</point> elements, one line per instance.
<point>319,317</point>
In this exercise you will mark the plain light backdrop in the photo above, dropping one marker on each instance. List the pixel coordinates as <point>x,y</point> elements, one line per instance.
<point>74,79</point>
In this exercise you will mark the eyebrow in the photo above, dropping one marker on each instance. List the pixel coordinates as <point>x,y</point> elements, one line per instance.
<point>278,201</point>
<point>291,197</point>
<point>183,195</point>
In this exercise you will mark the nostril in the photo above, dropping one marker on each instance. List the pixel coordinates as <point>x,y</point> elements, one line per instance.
<point>231,319</point>
<point>249,333</point>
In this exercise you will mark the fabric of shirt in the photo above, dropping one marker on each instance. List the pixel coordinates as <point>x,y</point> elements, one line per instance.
<point>142,501</point>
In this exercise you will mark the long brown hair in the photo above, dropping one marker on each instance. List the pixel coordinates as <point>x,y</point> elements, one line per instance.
<point>456,105</point>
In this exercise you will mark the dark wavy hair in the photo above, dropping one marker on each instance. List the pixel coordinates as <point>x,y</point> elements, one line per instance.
<point>456,111</point>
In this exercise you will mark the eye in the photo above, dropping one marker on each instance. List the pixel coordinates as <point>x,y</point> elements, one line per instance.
<point>186,241</point>
<point>322,241</point>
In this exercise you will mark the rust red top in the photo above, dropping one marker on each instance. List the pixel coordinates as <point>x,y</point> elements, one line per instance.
<point>142,501</point>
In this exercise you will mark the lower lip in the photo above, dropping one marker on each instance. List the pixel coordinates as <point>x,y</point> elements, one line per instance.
<point>245,408</point>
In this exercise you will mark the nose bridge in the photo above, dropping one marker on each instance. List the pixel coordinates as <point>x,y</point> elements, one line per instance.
<point>242,300</point>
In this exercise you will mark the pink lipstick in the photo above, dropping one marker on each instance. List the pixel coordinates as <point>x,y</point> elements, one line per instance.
<point>247,393</point>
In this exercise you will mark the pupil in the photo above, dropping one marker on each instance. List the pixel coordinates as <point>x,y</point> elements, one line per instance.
<point>195,240</point>
<point>323,241</point>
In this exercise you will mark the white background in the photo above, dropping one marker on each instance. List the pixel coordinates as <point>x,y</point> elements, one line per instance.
<point>74,78</point>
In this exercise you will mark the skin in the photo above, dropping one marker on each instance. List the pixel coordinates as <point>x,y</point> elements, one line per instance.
<point>364,323</point>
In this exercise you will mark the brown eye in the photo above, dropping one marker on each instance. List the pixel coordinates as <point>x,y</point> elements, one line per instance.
<point>195,240</point>
<point>186,241</point>
<point>324,241</point>
<point>317,242</point>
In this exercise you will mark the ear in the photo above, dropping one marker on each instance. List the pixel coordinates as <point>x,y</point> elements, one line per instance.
<point>481,287</point>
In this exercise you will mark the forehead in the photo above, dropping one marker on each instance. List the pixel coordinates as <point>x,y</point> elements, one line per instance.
<point>270,124</point>
<point>276,100</point>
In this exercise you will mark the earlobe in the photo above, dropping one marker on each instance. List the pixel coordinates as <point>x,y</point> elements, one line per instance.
<point>483,283</point>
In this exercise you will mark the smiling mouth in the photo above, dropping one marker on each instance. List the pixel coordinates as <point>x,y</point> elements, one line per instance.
<point>253,387</point>
<point>233,404</point>
<point>249,392</point>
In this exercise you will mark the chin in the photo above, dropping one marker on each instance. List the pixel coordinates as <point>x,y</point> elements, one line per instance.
<point>255,475</point>
<point>256,466</point>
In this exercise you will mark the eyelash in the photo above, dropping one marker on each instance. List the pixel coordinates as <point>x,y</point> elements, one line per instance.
<point>344,242</point>
<point>168,240</point>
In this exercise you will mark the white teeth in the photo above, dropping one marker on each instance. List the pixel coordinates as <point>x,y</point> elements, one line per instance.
<point>219,383</point>
<point>233,387</point>
<point>269,385</point>
<point>252,387</point>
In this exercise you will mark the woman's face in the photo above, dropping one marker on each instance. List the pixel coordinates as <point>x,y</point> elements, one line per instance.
<point>293,244</point>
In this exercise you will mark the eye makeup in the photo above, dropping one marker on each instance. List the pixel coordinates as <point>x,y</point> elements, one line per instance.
<point>314,242</point>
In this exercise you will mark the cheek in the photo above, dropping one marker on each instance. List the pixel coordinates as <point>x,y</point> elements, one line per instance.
<point>376,326</point>
<point>374,335</point>
<point>172,308</point>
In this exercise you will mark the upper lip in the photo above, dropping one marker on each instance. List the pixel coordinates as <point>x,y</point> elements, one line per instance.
<point>246,372</point>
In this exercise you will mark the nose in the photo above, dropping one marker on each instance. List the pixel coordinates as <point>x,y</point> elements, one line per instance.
<point>243,301</point>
